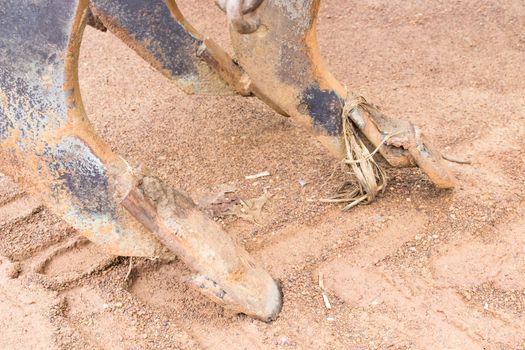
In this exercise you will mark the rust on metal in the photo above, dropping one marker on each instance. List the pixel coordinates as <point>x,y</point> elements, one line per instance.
<point>159,33</point>
<point>47,142</point>
<point>284,63</point>
<point>224,268</point>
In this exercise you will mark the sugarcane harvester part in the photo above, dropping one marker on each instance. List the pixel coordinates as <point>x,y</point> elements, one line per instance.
<point>49,146</point>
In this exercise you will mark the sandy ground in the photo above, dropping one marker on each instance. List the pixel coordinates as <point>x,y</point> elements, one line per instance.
<point>418,269</point>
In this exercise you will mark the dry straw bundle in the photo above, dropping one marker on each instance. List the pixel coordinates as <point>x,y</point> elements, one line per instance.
<point>369,178</point>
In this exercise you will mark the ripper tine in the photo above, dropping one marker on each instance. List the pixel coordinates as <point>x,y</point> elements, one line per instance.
<point>283,60</point>
<point>47,141</point>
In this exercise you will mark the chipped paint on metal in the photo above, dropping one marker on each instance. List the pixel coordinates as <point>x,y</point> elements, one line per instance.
<point>48,140</point>
<point>163,39</point>
<point>297,10</point>
<point>325,108</point>
<point>81,173</point>
<point>292,75</point>
<point>44,134</point>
